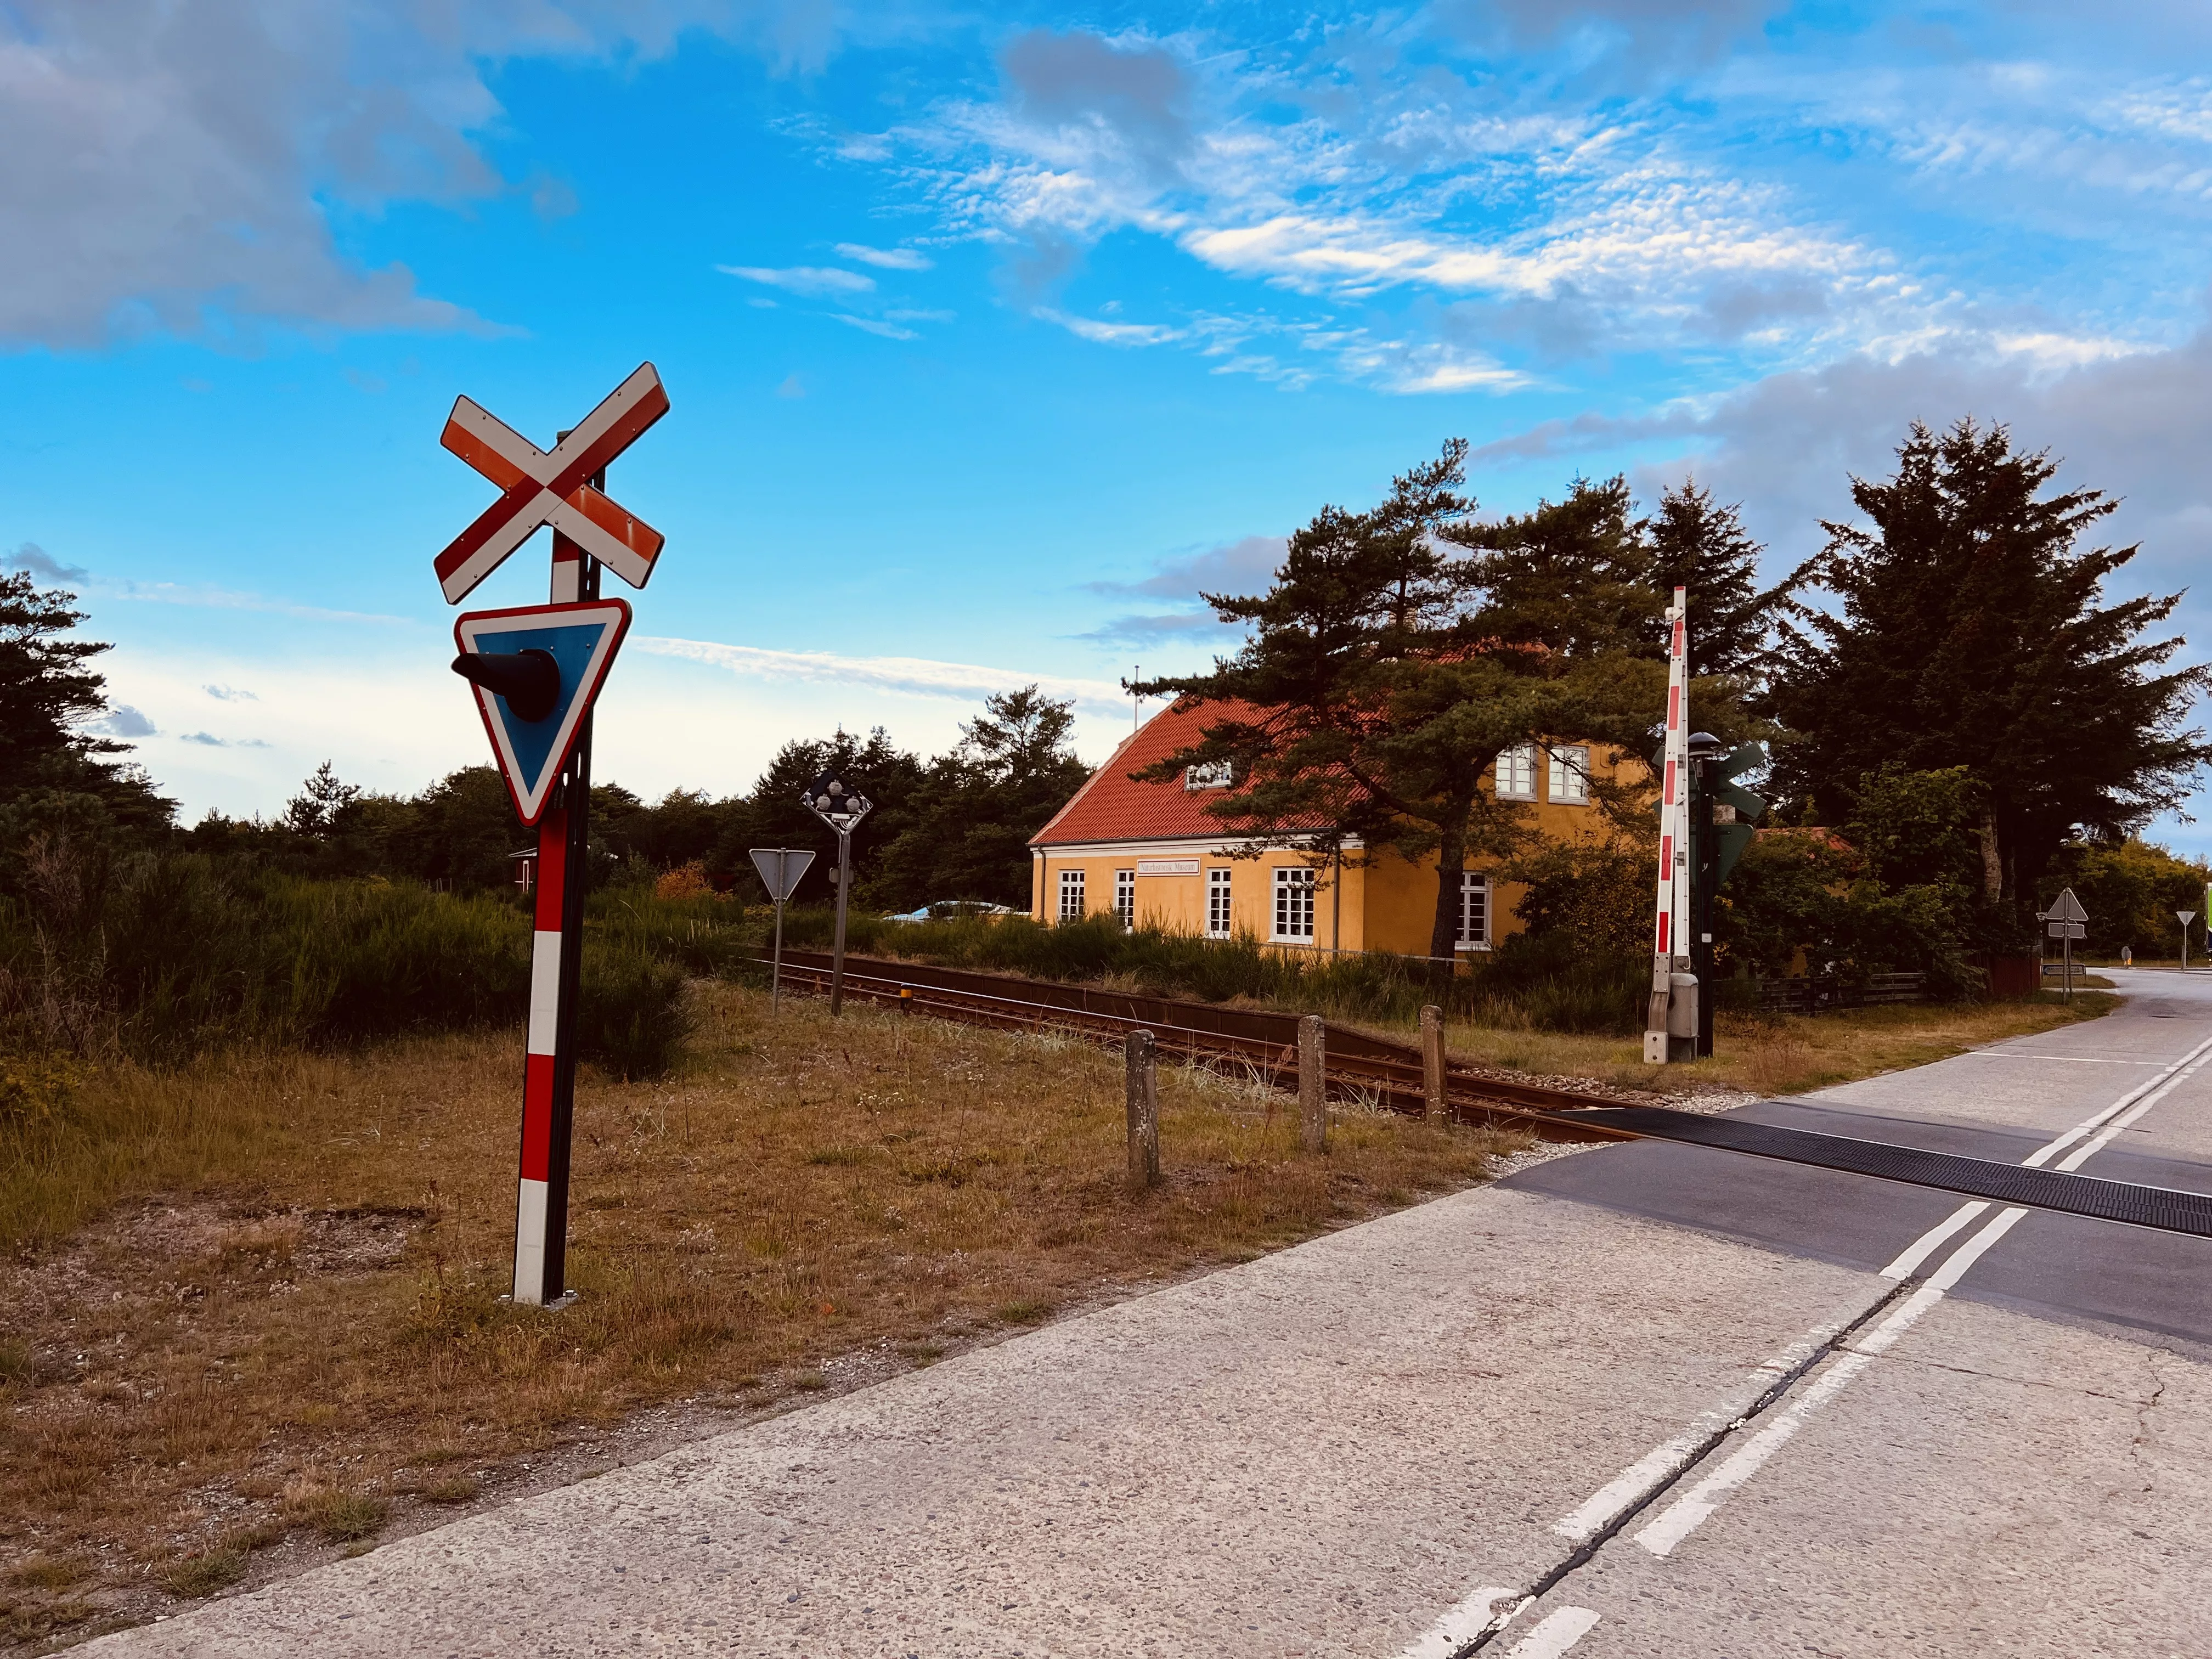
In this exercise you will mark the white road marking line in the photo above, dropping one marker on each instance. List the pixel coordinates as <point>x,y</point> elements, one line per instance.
<point>1687,1513</point>
<point>1927,1244</point>
<point>1461,1625</point>
<point>1554,1634</point>
<point>2070,1060</point>
<point>1664,1461</point>
<point>2088,1124</point>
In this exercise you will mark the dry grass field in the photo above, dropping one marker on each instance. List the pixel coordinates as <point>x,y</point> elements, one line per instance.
<point>253,1311</point>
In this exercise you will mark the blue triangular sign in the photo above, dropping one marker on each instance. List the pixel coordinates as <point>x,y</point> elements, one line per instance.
<point>582,639</point>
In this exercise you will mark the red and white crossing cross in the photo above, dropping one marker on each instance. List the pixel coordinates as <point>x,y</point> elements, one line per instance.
<point>541,487</point>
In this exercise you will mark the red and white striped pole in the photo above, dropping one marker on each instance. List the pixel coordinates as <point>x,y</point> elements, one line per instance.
<point>549,1077</point>
<point>1670,927</point>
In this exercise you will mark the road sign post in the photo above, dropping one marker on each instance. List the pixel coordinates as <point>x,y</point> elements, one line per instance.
<point>841,808</point>
<point>537,671</point>
<point>779,868</point>
<point>2185,917</point>
<point>2065,921</point>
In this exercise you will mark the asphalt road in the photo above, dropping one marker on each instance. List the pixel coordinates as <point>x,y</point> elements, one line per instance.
<point>1646,1400</point>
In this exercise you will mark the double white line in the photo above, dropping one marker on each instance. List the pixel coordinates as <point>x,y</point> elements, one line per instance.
<point>1684,1515</point>
<point>1635,1485</point>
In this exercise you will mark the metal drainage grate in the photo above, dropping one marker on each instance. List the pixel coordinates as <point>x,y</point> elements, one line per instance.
<point>2162,1208</point>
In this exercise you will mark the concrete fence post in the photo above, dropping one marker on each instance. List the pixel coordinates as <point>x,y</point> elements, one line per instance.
<point>1142,1073</point>
<point>1432,1065</point>
<point>1313,1104</point>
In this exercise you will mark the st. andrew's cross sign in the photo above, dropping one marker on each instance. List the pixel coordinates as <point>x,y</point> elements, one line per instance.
<point>536,671</point>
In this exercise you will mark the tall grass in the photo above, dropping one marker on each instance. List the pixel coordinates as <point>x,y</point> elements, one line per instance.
<point>1547,982</point>
<point>163,959</point>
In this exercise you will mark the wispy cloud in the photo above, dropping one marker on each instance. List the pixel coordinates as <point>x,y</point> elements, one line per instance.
<point>913,675</point>
<point>876,325</point>
<point>208,740</point>
<point>31,559</point>
<point>884,258</point>
<point>1104,333</point>
<point>220,598</point>
<point>816,282</point>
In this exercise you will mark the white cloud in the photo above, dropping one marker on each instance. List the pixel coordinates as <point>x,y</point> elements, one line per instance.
<point>1118,334</point>
<point>877,327</point>
<point>812,280</point>
<point>177,165</point>
<point>886,258</point>
<point>916,676</point>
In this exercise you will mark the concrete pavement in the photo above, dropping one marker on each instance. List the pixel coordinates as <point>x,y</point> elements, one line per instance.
<point>1375,1444</point>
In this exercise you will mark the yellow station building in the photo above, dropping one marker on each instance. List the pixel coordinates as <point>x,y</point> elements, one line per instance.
<point>1151,854</point>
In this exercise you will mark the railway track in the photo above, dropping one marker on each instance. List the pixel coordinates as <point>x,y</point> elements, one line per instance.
<point>1356,1072</point>
<point>1373,1072</point>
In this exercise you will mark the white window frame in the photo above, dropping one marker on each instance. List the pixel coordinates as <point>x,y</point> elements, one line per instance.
<point>1516,772</point>
<point>1212,774</point>
<point>1474,883</point>
<point>1071,895</point>
<point>1571,775</point>
<point>1294,903</point>
<point>1219,891</point>
<point>1125,898</point>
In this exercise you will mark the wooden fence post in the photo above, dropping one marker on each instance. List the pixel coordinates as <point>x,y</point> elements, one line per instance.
<point>1313,1105</point>
<point>1432,1065</point>
<point>1142,1073</point>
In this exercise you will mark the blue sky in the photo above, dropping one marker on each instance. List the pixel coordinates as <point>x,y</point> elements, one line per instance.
<point>993,337</point>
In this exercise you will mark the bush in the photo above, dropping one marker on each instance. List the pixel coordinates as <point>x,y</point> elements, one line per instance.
<point>632,1013</point>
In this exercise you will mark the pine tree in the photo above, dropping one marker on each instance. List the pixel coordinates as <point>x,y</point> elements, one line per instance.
<point>49,696</point>
<point>1969,631</point>
<point>1695,544</point>
<point>1400,651</point>
<point>976,808</point>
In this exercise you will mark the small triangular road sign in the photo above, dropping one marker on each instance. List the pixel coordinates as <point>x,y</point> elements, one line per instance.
<point>780,867</point>
<point>581,639</point>
<point>2067,907</point>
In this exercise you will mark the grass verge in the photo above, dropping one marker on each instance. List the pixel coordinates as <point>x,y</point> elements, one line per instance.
<point>1783,1055</point>
<point>255,1301</point>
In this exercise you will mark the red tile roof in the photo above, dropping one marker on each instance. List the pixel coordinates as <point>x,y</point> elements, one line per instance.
<point>1111,806</point>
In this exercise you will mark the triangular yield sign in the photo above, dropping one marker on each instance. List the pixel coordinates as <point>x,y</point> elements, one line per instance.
<point>582,639</point>
<point>2067,907</point>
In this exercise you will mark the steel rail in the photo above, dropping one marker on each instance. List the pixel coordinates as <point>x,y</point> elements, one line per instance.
<point>1476,1097</point>
<point>1470,1097</point>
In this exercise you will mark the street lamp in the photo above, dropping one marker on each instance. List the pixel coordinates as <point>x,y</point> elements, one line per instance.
<point>841,806</point>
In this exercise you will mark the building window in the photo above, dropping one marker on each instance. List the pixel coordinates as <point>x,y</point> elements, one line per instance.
<point>1571,775</point>
<point>1294,903</point>
<point>1214,774</point>
<point>1217,904</point>
<point>1516,773</point>
<point>1125,898</point>
<point>1071,895</point>
<point>1474,911</point>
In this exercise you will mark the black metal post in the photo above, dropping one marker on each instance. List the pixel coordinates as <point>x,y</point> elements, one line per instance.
<point>1705,863</point>
<point>837,956</point>
<point>576,794</point>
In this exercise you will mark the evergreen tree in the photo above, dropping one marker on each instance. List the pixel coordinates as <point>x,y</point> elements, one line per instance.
<point>1400,651</point>
<point>773,815</point>
<point>1969,632</point>
<point>49,696</point>
<point>1693,542</point>
<point>977,807</point>
<point>320,805</point>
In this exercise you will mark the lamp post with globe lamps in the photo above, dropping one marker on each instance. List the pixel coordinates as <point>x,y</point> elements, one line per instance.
<point>841,807</point>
